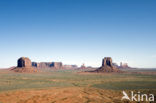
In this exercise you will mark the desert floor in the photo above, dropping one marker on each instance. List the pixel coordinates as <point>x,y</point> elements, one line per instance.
<point>73,86</point>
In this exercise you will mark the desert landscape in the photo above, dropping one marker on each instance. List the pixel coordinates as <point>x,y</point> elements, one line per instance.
<point>51,85</point>
<point>77,51</point>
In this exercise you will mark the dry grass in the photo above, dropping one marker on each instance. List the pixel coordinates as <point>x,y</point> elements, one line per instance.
<point>61,95</point>
<point>68,86</point>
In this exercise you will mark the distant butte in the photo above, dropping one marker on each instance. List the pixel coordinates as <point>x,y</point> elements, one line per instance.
<point>107,66</point>
<point>24,65</point>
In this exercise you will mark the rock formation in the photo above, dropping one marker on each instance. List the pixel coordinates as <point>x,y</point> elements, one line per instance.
<point>48,65</point>
<point>34,64</point>
<point>107,61</point>
<point>24,65</point>
<point>107,66</point>
<point>124,66</point>
<point>83,66</point>
<point>115,65</point>
<point>44,65</point>
<point>56,65</point>
<point>70,66</point>
<point>24,62</point>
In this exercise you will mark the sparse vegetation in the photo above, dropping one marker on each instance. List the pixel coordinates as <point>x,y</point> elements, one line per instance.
<point>60,79</point>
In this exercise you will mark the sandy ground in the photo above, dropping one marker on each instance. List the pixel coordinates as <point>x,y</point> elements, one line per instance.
<point>61,95</point>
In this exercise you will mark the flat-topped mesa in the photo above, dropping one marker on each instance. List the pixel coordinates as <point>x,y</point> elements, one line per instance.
<point>44,64</point>
<point>48,65</point>
<point>57,65</point>
<point>24,64</point>
<point>107,66</point>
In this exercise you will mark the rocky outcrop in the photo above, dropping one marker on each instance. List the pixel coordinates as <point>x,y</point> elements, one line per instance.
<point>124,66</point>
<point>24,62</point>
<point>57,65</point>
<point>34,64</point>
<point>24,65</point>
<point>70,66</point>
<point>46,65</point>
<point>107,66</point>
<point>107,61</point>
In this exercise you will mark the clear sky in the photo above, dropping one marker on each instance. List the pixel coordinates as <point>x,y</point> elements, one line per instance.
<point>78,31</point>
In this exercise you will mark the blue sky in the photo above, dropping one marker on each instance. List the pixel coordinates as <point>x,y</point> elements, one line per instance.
<point>78,31</point>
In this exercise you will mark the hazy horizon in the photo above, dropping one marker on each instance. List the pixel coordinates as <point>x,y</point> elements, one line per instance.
<point>78,31</point>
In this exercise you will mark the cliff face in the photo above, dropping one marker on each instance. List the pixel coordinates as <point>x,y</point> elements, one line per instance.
<point>24,65</point>
<point>34,64</point>
<point>57,65</point>
<point>107,66</point>
<point>43,65</point>
<point>24,62</point>
<point>107,61</point>
<point>124,66</point>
